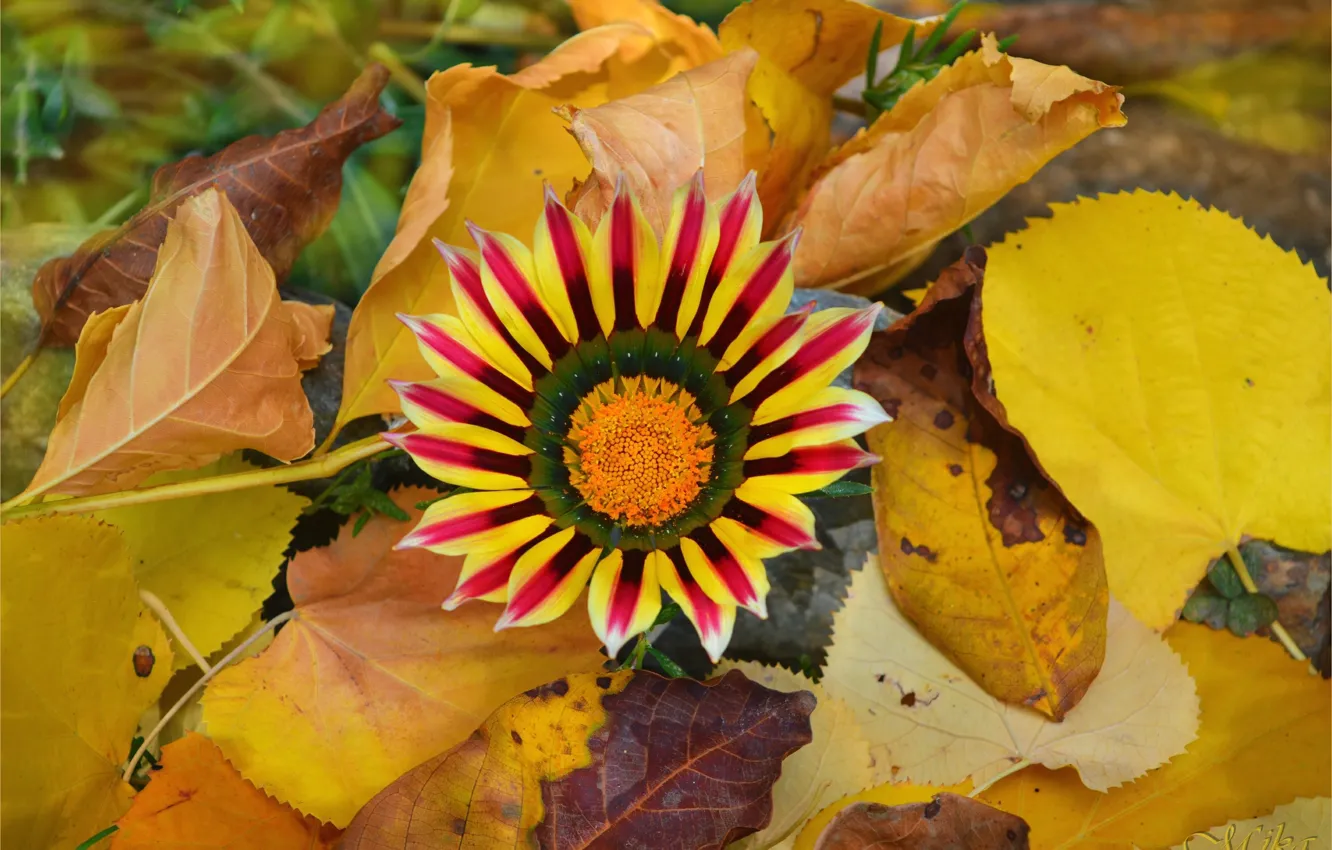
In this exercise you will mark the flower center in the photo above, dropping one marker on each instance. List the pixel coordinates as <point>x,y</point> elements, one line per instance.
<point>639,458</point>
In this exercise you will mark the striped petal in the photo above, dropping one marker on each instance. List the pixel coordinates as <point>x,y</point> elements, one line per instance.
<point>468,456</point>
<point>728,576</point>
<point>485,573</point>
<point>808,468</point>
<point>773,347</point>
<point>562,248</point>
<point>831,414</point>
<point>833,340</point>
<point>430,404</point>
<point>624,598</point>
<point>450,350</point>
<point>779,518</point>
<point>751,295</point>
<point>739,227</point>
<point>508,276</point>
<point>485,520</point>
<point>547,579</point>
<point>690,242</point>
<point>712,620</point>
<point>479,317</point>
<point>625,287</point>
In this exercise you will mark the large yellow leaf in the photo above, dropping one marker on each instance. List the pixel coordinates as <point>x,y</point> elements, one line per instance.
<point>949,149</point>
<point>1305,824</point>
<point>372,678</point>
<point>808,49</point>
<point>211,559</point>
<point>72,621</point>
<point>928,723</point>
<point>1170,369</point>
<point>987,559</point>
<point>1266,726</point>
<point>198,799</point>
<point>204,365</point>
<point>660,138</point>
<point>835,763</point>
<point>688,43</point>
<point>490,143</point>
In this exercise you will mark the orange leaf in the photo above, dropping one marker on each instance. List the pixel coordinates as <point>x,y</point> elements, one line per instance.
<point>989,560</point>
<point>808,50</point>
<point>659,139</point>
<point>691,43</point>
<point>204,365</point>
<point>312,324</point>
<point>286,188</point>
<point>949,149</point>
<point>944,823</point>
<point>490,142</point>
<point>198,799</point>
<point>614,760</point>
<point>372,678</point>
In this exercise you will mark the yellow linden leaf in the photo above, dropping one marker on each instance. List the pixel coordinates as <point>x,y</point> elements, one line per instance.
<point>1266,727</point>
<point>689,43</point>
<point>490,143</point>
<point>1305,824</point>
<point>928,723</point>
<point>1170,370</point>
<point>950,148</point>
<point>808,49</point>
<point>72,621</point>
<point>211,559</point>
<point>835,763</point>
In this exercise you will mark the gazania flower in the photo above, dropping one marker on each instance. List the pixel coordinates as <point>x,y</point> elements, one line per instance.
<point>634,414</point>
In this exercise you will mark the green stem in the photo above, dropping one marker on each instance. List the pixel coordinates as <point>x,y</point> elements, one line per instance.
<point>1242,570</point>
<point>110,830</point>
<point>300,471</point>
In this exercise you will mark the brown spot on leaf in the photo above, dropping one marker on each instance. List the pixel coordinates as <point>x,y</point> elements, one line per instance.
<point>943,420</point>
<point>603,682</point>
<point>954,469</point>
<point>909,699</point>
<point>459,826</point>
<point>928,371</point>
<point>932,809</point>
<point>1075,535</point>
<point>517,739</point>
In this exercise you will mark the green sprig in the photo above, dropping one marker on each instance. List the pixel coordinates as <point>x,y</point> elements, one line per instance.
<point>353,492</point>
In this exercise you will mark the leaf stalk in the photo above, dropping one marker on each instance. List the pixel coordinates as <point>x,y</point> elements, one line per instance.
<point>1278,630</point>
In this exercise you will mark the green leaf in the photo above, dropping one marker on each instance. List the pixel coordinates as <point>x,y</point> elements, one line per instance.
<point>669,612</point>
<point>668,666</point>
<point>1250,612</point>
<point>1223,577</point>
<point>840,490</point>
<point>1204,607</point>
<point>360,522</point>
<point>872,60</point>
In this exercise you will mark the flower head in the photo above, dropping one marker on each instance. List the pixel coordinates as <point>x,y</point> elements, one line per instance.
<point>634,413</point>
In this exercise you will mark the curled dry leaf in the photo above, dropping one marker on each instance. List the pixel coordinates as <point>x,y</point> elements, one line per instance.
<point>490,142</point>
<point>204,365</point>
<point>371,677</point>
<point>198,799</point>
<point>807,50</point>
<point>1121,368</point>
<point>286,189</point>
<point>932,725</point>
<point>601,760</point>
<point>983,555</point>
<point>950,148</point>
<point>836,762</point>
<point>689,44</point>
<point>72,697</point>
<point>947,822</point>
<point>657,140</point>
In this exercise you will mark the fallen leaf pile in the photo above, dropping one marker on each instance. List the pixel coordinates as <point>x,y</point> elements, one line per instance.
<point>1111,420</point>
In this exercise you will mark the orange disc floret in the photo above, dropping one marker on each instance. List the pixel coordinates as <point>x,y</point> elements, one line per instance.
<point>640,459</point>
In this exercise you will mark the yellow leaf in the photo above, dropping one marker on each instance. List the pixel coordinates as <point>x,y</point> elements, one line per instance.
<point>1305,824</point>
<point>660,138</point>
<point>203,365</point>
<point>1266,724</point>
<point>89,352</point>
<point>689,44</point>
<point>211,559</point>
<point>372,678</point>
<point>948,150</point>
<point>72,621</point>
<point>1170,369</point>
<point>930,724</point>
<point>490,142</point>
<point>834,764</point>
<point>987,559</point>
<point>808,49</point>
<point>198,799</point>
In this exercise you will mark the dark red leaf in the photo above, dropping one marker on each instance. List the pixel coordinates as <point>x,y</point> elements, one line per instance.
<point>286,189</point>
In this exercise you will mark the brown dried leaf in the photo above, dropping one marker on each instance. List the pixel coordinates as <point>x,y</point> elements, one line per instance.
<point>660,138</point>
<point>946,152</point>
<point>205,364</point>
<point>286,189</point>
<point>947,822</point>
